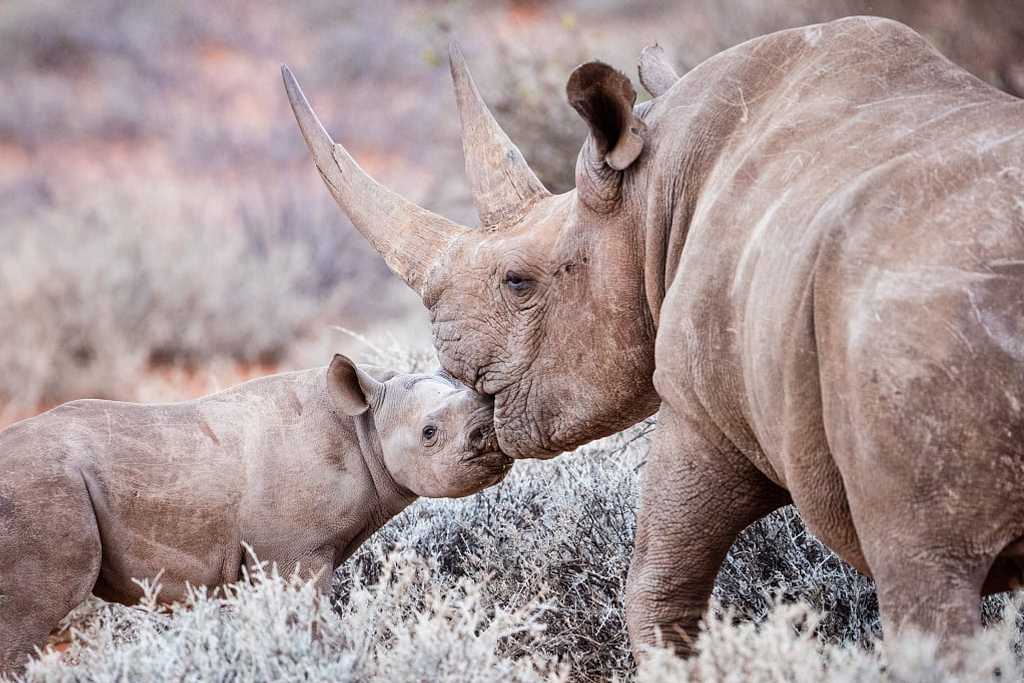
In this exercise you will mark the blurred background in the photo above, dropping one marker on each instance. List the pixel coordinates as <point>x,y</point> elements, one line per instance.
<point>163,232</point>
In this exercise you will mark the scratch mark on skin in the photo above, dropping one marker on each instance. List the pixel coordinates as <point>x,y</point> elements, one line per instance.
<point>205,427</point>
<point>1006,262</point>
<point>1003,335</point>
<point>977,313</point>
<point>756,237</point>
<point>890,100</point>
<point>999,141</point>
<point>742,104</point>
<point>956,333</point>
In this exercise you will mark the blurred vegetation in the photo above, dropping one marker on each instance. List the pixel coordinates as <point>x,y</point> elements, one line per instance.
<point>158,208</point>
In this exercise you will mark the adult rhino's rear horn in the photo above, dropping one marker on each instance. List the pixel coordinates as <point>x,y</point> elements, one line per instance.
<point>656,71</point>
<point>409,237</point>
<point>503,185</point>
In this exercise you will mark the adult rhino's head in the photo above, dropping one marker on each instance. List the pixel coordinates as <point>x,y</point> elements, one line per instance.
<point>543,306</point>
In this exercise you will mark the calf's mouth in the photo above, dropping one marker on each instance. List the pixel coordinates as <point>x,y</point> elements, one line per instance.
<point>493,465</point>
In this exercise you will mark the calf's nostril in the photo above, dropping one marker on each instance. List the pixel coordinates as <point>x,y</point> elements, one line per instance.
<point>482,439</point>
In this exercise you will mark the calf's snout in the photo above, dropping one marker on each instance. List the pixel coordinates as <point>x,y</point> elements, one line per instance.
<point>479,429</point>
<point>482,438</point>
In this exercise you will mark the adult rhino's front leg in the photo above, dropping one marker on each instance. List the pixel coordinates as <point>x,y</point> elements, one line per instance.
<point>698,494</point>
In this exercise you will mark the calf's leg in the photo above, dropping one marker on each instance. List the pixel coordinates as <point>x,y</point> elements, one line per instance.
<point>49,562</point>
<point>698,494</point>
<point>318,567</point>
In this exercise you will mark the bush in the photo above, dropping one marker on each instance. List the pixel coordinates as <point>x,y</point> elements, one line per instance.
<point>276,628</point>
<point>783,647</point>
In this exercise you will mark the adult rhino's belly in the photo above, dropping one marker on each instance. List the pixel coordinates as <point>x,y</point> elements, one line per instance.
<point>782,390</point>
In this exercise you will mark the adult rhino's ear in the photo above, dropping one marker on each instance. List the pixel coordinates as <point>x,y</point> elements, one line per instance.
<point>604,98</point>
<point>352,390</point>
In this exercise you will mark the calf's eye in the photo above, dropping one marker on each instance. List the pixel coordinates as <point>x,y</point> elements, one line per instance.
<point>429,432</point>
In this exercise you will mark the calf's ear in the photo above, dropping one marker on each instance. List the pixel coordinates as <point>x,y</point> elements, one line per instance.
<point>604,98</point>
<point>352,390</point>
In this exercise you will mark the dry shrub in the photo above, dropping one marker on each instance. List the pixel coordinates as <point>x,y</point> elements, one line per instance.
<point>784,647</point>
<point>274,628</point>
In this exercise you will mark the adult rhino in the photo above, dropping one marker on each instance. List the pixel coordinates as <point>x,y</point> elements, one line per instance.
<point>807,255</point>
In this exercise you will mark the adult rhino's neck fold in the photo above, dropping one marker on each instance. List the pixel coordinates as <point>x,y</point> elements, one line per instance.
<point>687,135</point>
<point>669,207</point>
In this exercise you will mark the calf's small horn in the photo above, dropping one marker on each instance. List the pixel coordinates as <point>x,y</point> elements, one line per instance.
<point>409,237</point>
<point>503,185</point>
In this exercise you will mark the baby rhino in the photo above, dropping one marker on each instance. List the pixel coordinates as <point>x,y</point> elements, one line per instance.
<point>300,466</point>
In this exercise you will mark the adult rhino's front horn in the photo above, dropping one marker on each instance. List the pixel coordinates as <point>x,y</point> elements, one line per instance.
<point>409,237</point>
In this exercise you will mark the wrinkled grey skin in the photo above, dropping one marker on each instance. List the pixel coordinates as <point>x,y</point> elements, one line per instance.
<point>301,466</point>
<point>819,245</point>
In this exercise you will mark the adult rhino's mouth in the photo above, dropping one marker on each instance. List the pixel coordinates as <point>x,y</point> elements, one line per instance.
<point>519,435</point>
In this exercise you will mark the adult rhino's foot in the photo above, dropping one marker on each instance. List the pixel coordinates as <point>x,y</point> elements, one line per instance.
<point>657,620</point>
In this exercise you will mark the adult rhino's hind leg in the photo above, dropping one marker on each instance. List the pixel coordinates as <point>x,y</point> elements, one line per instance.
<point>698,494</point>
<point>928,570</point>
<point>925,422</point>
<point>49,561</point>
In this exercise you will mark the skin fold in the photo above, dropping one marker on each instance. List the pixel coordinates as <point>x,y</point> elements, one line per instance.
<point>806,254</point>
<point>302,467</point>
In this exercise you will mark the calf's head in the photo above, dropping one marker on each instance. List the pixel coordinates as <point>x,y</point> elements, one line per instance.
<point>436,435</point>
<point>543,306</point>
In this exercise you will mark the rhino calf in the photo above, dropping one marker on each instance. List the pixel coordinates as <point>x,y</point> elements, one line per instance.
<point>301,466</point>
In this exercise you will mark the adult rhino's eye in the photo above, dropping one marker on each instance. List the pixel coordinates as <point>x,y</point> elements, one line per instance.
<point>516,282</point>
<point>429,432</point>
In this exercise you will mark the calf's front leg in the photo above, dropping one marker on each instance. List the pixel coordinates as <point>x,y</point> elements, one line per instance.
<point>698,493</point>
